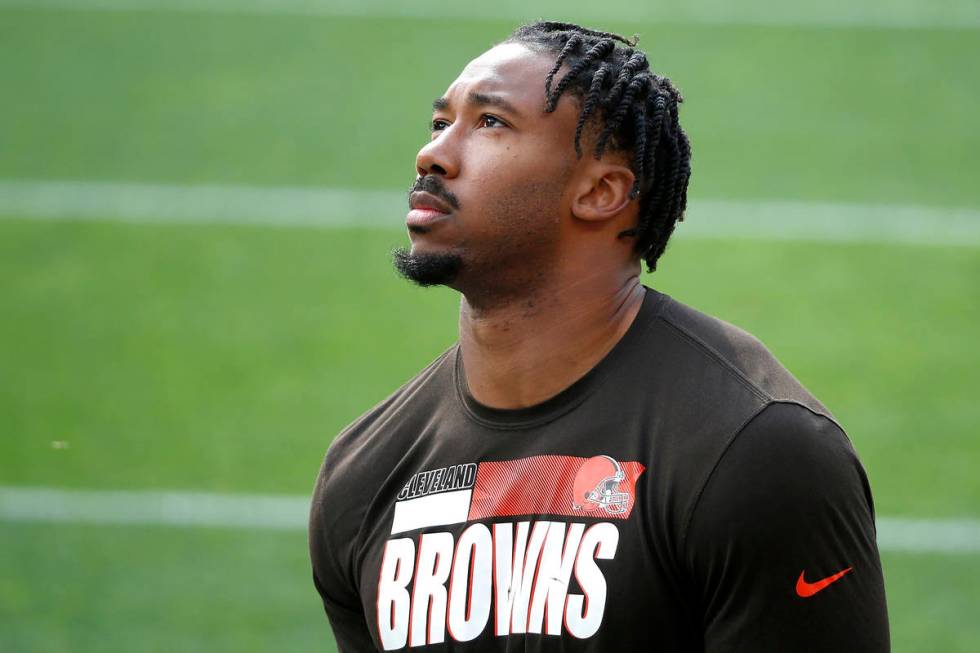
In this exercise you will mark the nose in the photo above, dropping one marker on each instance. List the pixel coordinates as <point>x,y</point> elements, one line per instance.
<point>438,157</point>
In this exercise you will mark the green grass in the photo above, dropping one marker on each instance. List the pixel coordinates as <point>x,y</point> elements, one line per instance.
<point>857,115</point>
<point>929,599</point>
<point>225,358</point>
<point>96,588</point>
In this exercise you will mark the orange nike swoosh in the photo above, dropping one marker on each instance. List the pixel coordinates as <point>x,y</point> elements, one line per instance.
<point>806,590</point>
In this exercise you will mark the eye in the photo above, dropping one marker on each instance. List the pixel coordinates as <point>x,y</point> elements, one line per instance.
<point>491,120</point>
<point>437,125</point>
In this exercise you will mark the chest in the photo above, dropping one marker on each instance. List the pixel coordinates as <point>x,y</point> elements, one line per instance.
<point>547,545</point>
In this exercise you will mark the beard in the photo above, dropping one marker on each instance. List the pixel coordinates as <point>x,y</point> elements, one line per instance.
<point>427,269</point>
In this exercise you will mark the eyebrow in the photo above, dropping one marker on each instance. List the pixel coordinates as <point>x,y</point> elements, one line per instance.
<point>479,100</point>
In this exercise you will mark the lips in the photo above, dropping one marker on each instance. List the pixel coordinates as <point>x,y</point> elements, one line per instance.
<point>426,209</point>
<point>423,200</point>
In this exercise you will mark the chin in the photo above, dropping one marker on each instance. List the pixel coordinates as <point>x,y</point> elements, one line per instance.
<point>427,268</point>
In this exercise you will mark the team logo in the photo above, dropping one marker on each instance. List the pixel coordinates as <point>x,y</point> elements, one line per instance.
<point>516,574</point>
<point>596,486</point>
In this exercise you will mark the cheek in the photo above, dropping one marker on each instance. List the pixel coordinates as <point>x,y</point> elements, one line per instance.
<point>517,170</point>
<point>517,187</point>
<point>526,206</point>
<point>494,168</point>
<point>499,160</point>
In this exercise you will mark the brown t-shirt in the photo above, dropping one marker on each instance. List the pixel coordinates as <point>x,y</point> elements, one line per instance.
<point>686,494</point>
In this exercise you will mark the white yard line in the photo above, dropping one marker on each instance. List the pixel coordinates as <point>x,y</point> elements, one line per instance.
<point>273,206</point>
<point>206,509</point>
<point>202,509</point>
<point>343,207</point>
<point>876,14</point>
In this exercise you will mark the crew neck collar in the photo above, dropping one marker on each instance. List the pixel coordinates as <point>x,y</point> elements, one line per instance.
<point>567,399</point>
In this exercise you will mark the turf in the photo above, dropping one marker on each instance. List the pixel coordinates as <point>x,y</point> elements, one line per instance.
<point>156,590</point>
<point>226,357</point>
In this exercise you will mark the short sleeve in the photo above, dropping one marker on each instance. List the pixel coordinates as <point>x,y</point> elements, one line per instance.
<point>332,537</point>
<point>781,543</point>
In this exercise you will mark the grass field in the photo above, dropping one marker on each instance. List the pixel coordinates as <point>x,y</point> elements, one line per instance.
<point>225,357</point>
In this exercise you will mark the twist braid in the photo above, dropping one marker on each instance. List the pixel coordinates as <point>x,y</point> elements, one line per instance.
<point>600,50</point>
<point>640,147</point>
<point>625,105</point>
<point>591,101</point>
<point>570,46</point>
<point>626,73</point>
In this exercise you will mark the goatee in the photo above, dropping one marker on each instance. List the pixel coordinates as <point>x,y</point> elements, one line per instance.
<point>426,269</point>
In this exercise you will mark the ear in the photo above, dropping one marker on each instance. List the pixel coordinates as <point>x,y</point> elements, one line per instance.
<point>603,191</point>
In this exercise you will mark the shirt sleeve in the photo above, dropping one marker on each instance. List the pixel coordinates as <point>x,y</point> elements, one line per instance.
<point>349,627</point>
<point>781,543</point>
<point>334,524</point>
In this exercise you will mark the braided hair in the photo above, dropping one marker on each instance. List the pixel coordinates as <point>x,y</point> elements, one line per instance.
<point>633,110</point>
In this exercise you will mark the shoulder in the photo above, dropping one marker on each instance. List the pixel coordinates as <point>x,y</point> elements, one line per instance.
<point>788,464</point>
<point>727,413</point>
<point>740,357</point>
<point>416,398</point>
<point>357,463</point>
<point>789,438</point>
<point>361,453</point>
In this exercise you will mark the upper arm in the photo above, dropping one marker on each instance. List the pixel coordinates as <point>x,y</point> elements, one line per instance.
<point>349,626</point>
<point>334,524</point>
<point>789,497</point>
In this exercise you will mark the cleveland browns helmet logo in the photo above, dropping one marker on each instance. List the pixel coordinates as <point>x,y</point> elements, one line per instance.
<point>596,486</point>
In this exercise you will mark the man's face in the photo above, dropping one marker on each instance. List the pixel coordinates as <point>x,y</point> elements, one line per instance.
<point>495,172</point>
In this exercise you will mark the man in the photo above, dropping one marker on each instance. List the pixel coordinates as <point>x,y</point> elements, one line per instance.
<point>594,466</point>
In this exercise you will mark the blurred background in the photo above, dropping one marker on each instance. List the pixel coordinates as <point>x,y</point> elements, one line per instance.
<point>197,203</point>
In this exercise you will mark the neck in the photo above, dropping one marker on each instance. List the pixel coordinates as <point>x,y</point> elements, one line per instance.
<point>529,349</point>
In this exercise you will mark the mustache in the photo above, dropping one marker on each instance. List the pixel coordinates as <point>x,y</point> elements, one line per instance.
<point>432,184</point>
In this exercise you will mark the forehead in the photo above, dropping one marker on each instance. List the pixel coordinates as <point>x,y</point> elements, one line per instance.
<point>509,69</point>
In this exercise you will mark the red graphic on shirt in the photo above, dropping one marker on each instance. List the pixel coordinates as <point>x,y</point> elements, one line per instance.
<point>597,484</point>
<point>555,485</point>
<point>806,590</point>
